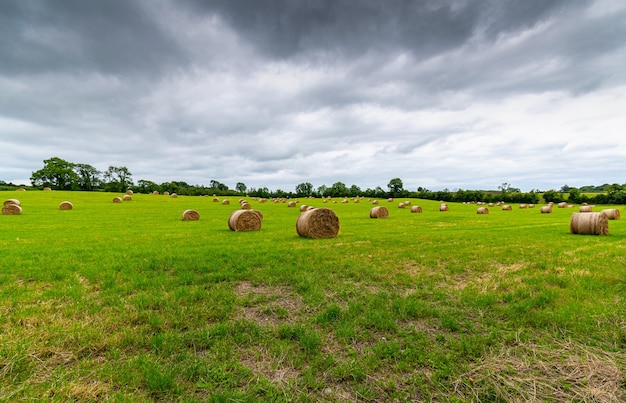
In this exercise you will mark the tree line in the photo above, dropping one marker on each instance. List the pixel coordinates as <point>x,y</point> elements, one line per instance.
<point>64,175</point>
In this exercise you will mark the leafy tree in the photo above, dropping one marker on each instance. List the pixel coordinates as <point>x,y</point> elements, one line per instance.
<point>241,188</point>
<point>118,179</point>
<point>552,196</point>
<point>354,191</point>
<point>218,185</point>
<point>322,190</point>
<point>146,186</point>
<point>304,189</point>
<point>56,173</point>
<point>396,188</point>
<point>88,177</point>
<point>338,189</point>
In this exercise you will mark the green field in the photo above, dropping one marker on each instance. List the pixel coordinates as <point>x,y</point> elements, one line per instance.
<point>127,302</point>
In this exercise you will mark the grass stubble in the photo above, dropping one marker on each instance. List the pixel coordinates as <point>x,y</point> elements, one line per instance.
<point>127,302</point>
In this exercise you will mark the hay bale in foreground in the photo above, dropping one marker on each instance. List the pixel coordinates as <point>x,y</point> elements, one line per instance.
<point>11,201</point>
<point>318,223</point>
<point>11,209</point>
<point>65,205</point>
<point>117,200</point>
<point>416,209</point>
<point>612,213</point>
<point>245,220</point>
<point>482,210</point>
<point>379,212</point>
<point>191,215</point>
<point>589,224</point>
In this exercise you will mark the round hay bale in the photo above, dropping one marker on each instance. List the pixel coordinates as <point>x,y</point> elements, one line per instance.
<point>246,206</point>
<point>225,202</point>
<point>546,209</point>
<point>318,223</point>
<point>127,198</point>
<point>129,192</point>
<point>562,205</point>
<point>304,207</point>
<point>173,195</point>
<point>482,210</point>
<point>586,209</point>
<point>490,204</point>
<point>11,209</point>
<point>416,209</point>
<point>443,207</point>
<point>65,205</point>
<point>191,215</point>
<point>402,205</point>
<point>117,200</point>
<point>507,207</point>
<point>47,190</point>
<point>379,212</point>
<point>291,204</point>
<point>390,200</point>
<point>216,200</point>
<point>522,206</point>
<point>166,193</point>
<point>374,201</point>
<point>245,220</point>
<point>531,205</point>
<point>589,224</point>
<point>12,201</point>
<point>612,213</point>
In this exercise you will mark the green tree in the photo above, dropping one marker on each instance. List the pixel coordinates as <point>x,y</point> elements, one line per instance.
<point>338,189</point>
<point>118,179</point>
<point>241,188</point>
<point>396,188</point>
<point>304,189</point>
<point>88,176</point>
<point>354,191</point>
<point>56,173</point>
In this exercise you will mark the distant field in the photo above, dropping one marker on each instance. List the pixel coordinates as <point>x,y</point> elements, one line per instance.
<point>127,302</point>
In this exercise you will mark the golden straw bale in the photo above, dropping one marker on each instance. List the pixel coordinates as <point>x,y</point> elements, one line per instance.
<point>12,201</point>
<point>589,224</point>
<point>245,220</point>
<point>47,190</point>
<point>318,223</point>
<point>291,204</point>
<point>225,202</point>
<point>117,200</point>
<point>546,209</point>
<point>416,209</point>
<point>11,209</point>
<point>304,207</point>
<point>586,209</point>
<point>401,205</point>
<point>129,192</point>
<point>482,210</point>
<point>612,213</point>
<point>216,200</point>
<point>562,205</point>
<point>155,192</point>
<point>379,212</point>
<point>522,206</point>
<point>174,195</point>
<point>246,206</point>
<point>507,207</point>
<point>374,201</point>
<point>66,205</point>
<point>443,207</point>
<point>390,200</point>
<point>191,215</point>
<point>531,205</point>
<point>127,198</point>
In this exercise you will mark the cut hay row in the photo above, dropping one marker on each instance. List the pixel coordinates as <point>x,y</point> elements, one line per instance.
<point>589,224</point>
<point>318,223</point>
<point>379,212</point>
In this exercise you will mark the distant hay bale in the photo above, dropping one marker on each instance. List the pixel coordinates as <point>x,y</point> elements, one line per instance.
<point>416,209</point>
<point>344,201</point>
<point>191,215</point>
<point>390,200</point>
<point>129,192</point>
<point>589,224</point>
<point>117,200</point>
<point>246,206</point>
<point>374,201</point>
<point>155,192</point>
<point>490,204</point>
<point>291,204</point>
<point>562,205</point>
<point>216,200</point>
<point>612,213</point>
<point>401,205</point>
<point>47,190</point>
<point>546,209</point>
<point>482,210</point>
<point>225,202</point>
<point>522,206</point>
<point>318,223</point>
<point>586,209</point>
<point>65,205</point>
<point>127,198</point>
<point>166,193</point>
<point>531,205</point>
<point>21,190</point>
<point>12,201</point>
<point>379,212</point>
<point>173,195</point>
<point>507,207</point>
<point>304,207</point>
<point>443,207</point>
<point>245,220</point>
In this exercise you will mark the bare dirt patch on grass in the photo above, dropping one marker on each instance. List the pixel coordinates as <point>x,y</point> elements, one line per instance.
<point>268,305</point>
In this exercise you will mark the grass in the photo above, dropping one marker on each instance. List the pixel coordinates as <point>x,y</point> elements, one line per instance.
<point>127,302</point>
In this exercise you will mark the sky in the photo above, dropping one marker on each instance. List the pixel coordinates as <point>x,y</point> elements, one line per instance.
<point>443,94</point>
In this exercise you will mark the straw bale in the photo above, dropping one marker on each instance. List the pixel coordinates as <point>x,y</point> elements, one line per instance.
<point>11,209</point>
<point>245,206</point>
<point>443,207</point>
<point>379,212</point>
<point>174,195</point>
<point>401,205</point>
<point>216,200</point>
<point>117,200</point>
<point>245,220</point>
<point>166,193</point>
<point>546,209</point>
<point>589,224</point>
<point>129,192</point>
<point>390,200</point>
<point>47,190</point>
<point>66,205</point>
<point>155,192</point>
<point>585,209</point>
<point>562,205</point>
<point>12,201</point>
<point>225,202</point>
<point>127,198</point>
<point>416,209</point>
<point>318,223</point>
<point>291,204</point>
<point>522,206</point>
<point>191,215</point>
<point>482,210</point>
<point>304,207</point>
<point>612,213</point>
<point>374,201</point>
<point>507,207</point>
